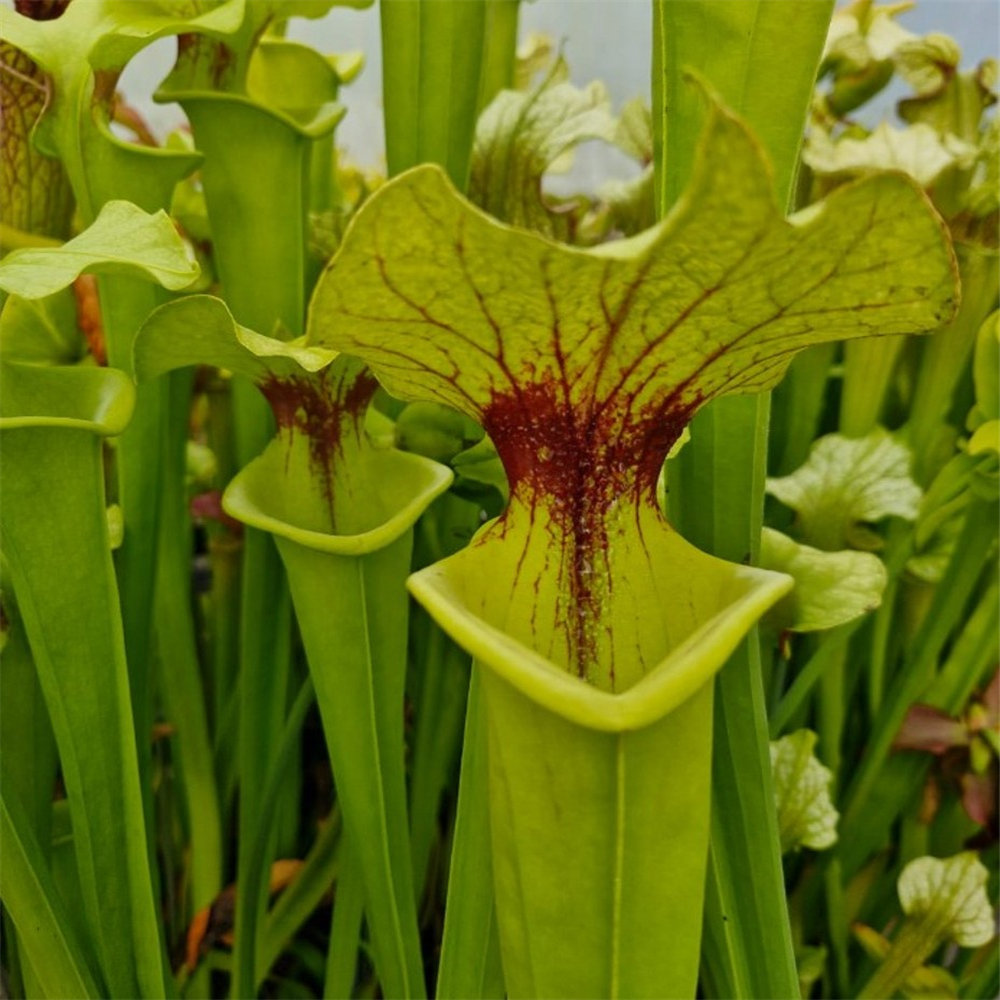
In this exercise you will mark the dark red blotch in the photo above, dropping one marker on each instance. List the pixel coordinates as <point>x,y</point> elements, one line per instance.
<point>318,408</point>
<point>578,459</point>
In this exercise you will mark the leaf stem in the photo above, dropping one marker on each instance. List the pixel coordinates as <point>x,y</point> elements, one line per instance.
<point>912,945</point>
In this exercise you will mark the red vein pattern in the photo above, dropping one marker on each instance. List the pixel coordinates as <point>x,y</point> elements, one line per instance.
<point>584,366</point>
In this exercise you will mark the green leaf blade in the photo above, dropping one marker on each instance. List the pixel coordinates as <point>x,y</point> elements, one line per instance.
<point>831,588</point>
<point>806,816</point>
<point>30,895</point>
<point>432,63</point>
<point>123,240</point>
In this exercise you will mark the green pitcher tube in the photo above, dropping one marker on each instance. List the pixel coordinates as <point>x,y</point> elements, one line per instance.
<point>256,180</point>
<point>54,528</point>
<point>598,800</point>
<point>341,509</point>
<point>351,605</point>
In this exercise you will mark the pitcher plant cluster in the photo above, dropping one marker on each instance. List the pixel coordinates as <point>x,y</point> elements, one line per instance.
<point>425,583</point>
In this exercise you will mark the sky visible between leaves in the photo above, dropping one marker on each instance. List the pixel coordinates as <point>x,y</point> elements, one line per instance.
<point>603,39</point>
<point>606,40</point>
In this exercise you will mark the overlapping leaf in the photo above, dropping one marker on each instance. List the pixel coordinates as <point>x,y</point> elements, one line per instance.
<point>122,240</point>
<point>83,52</point>
<point>36,196</point>
<point>345,481</point>
<point>847,483</point>
<point>201,330</point>
<point>43,331</point>
<point>985,417</point>
<point>831,588</point>
<point>211,60</point>
<point>918,150</point>
<point>105,34</point>
<point>520,135</point>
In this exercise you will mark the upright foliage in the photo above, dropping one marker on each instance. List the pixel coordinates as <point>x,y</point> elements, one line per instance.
<point>366,386</point>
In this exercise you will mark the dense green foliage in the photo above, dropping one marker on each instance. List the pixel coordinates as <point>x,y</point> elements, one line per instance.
<point>693,483</point>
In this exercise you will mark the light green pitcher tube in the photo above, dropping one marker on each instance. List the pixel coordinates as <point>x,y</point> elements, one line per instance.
<point>599,801</point>
<point>349,596</point>
<point>569,885</point>
<point>341,508</point>
<point>54,535</point>
<point>256,181</point>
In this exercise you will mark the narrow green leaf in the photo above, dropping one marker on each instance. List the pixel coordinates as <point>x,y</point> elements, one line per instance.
<point>981,977</point>
<point>762,57</point>
<point>30,896</point>
<point>869,366</point>
<point>798,404</point>
<point>54,527</point>
<point>359,701</point>
<point>986,366</point>
<point>470,950</point>
<point>275,781</point>
<point>985,417</point>
<point>180,687</point>
<point>501,49</point>
<point>746,929</point>
<point>345,931</point>
<point>959,582</point>
<point>27,746</point>
<point>300,900</point>
<point>946,357</point>
<point>439,686</point>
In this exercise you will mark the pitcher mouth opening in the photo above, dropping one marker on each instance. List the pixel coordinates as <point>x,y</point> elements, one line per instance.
<point>260,497</point>
<point>744,594</point>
